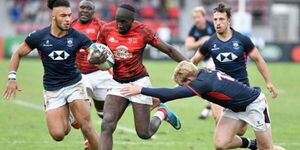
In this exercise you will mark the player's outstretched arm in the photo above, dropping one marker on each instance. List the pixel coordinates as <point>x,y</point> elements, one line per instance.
<point>263,69</point>
<point>171,51</point>
<point>197,58</point>
<point>12,85</point>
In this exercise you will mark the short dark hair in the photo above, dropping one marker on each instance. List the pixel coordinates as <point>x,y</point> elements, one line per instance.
<point>128,7</point>
<point>57,3</point>
<point>222,8</point>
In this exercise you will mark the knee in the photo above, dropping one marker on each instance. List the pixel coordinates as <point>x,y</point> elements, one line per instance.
<point>144,135</point>
<point>219,144</point>
<point>57,136</point>
<point>108,125</point>
<point>242,131</point>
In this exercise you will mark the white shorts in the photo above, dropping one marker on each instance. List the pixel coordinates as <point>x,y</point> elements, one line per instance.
<point>55,99</point>
<point>209,63</point>
<point>141,99</point>
<point>97,84</point>
<point>256,114</point>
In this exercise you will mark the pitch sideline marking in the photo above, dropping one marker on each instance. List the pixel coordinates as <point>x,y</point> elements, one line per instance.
<point>38,107</point>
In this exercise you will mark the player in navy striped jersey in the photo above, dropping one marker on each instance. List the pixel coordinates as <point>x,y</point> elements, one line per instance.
<point>229,50</point>
<point>242,104</point>
<point>64,92</point>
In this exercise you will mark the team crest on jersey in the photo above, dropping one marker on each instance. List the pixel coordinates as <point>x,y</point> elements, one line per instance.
<point>113,40</point>
<point>47,43</point>
<point>69,42</point>
<point>215,47</point>
<point>235,45</point>
<point>59,55</point>
<point>226,57</point>
<point>122,53</point>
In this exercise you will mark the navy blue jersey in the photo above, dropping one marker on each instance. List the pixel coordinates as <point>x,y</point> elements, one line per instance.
<point>198,33</point>
<point>230,56</point>
<point>58,56</point>
<point>214,86</point>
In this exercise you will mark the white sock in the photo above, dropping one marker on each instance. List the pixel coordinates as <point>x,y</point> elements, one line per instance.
<point>160,115</point>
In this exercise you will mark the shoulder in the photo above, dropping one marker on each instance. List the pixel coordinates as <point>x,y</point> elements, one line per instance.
<point>98,21</point>
<point>240,35</point>
<point>39,33</point>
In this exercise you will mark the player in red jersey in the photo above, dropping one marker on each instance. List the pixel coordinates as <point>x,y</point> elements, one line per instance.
<point>127,39</point>
<point>95,80</point>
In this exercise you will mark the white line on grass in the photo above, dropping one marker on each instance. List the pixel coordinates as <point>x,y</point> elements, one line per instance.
<point>38,107</point>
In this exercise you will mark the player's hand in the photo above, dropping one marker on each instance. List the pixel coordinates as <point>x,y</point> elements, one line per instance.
<point>132,89</point>
<point>272,89</point>
<point>11,89</point>
<point>97,58</point>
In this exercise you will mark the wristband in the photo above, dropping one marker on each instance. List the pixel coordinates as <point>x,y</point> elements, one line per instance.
<point>12,75</point>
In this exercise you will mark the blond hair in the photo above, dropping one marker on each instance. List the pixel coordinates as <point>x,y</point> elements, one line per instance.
<point>199,9</point>
<point>184,70</point>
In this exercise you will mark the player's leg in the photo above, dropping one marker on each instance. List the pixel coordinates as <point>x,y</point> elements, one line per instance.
<point>225,133</point>
<point>144,127</point>
<point>217,112</point>
<point>82,114</point>
<point>80,107</point>
<point>57,122</point>
<point>114,108</point>
<point>57,112</point>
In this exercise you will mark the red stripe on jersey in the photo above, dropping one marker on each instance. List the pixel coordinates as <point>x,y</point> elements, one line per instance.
<point>194,91</point>
<point>218,95</point>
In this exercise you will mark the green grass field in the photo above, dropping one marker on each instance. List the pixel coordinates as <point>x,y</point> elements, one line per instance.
<point>23,127</point>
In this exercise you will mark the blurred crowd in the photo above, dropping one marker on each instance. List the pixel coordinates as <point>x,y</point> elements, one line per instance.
<point>27,15</point>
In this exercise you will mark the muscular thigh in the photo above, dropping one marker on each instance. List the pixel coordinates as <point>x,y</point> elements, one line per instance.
<point>57,119</point>
<point>227,128</point>
<point>80,109</point>
<point>141,114</point>
<point>114,107</point>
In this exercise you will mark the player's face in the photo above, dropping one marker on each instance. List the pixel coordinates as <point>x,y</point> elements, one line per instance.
<point>221,22</point>
<point>199,19</point>
<point>86,11</point>
<point>62,17</point>
<point>123,21</point>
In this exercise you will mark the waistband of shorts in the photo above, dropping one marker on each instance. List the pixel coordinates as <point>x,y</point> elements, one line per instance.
<point>131,79</point>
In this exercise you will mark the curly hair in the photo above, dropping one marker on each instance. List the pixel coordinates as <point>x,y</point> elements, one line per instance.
<point>57,3</point>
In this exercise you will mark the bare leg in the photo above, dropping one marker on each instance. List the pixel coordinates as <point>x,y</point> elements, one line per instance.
<point>81,112</point>
<point>57,122</point>
<point>144,127</point>
<point>217,113</point>
<point>225,134</point>
<point>114,108</point>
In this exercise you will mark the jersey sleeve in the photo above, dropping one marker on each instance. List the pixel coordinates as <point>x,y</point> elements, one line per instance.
<point>204,49</point>
<point>191,32</point>
<point>151,36</point>
<point>168,94</point>
<point>85,41</point>
<point>32,40</point>
<point>248,44</point>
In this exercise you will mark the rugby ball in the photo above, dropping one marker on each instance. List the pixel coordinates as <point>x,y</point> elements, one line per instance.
<point>98,49</point>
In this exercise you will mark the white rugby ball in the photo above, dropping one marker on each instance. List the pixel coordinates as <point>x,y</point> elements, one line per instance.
<point>100,48</point>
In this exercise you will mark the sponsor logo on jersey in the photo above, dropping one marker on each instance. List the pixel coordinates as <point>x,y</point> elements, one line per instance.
<point>69,42</point>
<point>90,31</point>
<point>226,57</point>
<point>113,40</point>
<point>122,53</point>
<point>132,40</point>
<point>215,47</point>
<point>47,43</point>
<point>59,55</point>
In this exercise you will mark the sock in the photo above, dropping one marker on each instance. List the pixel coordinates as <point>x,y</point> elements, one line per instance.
<point>245,142</point>
<point>161,114</point>
<point>208,107</point>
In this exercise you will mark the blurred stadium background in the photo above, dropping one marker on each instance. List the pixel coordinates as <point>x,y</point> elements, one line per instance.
<point>272,24</point>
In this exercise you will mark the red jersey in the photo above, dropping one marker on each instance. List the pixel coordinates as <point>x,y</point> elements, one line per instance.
<point>92,31</point>
<point>128,49</point>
